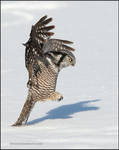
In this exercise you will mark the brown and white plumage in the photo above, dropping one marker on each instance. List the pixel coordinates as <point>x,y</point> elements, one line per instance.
<point>44,58</point>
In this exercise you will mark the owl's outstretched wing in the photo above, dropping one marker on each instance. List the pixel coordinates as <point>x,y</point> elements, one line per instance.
<point>57,45</point>
<point>40,32</point>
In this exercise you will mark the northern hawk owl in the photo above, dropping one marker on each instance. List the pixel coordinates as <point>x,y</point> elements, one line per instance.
<point>44,58</point>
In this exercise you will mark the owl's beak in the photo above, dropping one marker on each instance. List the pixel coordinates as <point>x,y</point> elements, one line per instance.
<point>24,44</point>
<point>73,62</point>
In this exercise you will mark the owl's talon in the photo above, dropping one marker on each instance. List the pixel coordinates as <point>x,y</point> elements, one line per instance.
<point>61,98</point>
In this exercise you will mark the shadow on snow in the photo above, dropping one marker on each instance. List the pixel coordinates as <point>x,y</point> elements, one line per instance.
<point>65,111</point>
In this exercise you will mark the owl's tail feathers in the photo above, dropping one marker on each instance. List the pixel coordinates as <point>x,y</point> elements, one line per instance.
<point>28,106</point>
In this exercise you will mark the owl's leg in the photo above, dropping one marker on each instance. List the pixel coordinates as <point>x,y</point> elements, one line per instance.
<point>29,104</point>
<point>54,96</point>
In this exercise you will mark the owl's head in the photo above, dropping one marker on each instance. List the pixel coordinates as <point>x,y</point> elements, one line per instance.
<point>62,58</point>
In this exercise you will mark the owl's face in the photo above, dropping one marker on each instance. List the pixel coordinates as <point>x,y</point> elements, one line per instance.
<point>61,59</point>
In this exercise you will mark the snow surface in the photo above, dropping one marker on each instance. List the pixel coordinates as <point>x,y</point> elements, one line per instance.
<point>87,117</point>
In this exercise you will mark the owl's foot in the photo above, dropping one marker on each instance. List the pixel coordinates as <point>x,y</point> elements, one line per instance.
<point>61,98</point>
<point>54,96</point>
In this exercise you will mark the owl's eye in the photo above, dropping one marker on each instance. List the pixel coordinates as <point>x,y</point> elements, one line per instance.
<point>70,59</point>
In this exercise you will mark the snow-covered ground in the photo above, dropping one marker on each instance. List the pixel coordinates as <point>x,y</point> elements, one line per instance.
<point>87,117</point>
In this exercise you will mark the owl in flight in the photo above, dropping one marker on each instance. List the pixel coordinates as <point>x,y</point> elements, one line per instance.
<point>44,58</point>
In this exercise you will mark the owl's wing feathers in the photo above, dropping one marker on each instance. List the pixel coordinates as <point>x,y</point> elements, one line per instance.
<point>38,63</point>
<point>40,32</point>
<point>57,45</point>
